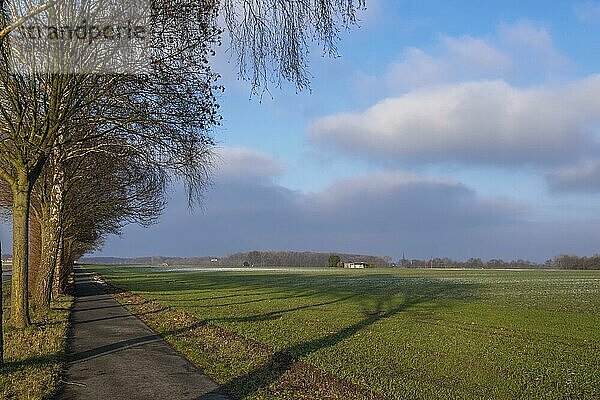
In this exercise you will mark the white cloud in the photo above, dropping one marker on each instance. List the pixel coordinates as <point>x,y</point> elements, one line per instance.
<point>523,51</point>
<point>416,69</point>
<point>379,182</point>
<point>243,163</point>
<point>533,45</point>
<point>588,11</point>
<point>583,177</point>
<point>477,53</point>
<point>460,59</point>
<point>483,122</point>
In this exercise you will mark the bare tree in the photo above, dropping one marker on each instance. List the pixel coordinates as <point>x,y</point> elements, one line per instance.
<point>271,39</point>
<point>101,194</point>
<point>167,111</point>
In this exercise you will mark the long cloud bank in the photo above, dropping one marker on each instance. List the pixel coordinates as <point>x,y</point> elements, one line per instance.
<point>386,213</point>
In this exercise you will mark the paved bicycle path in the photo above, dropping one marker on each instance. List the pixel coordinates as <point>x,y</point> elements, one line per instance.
<point>113,355</point>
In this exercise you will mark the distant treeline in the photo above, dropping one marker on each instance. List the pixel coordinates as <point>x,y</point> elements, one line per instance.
<point>562,261</point>
<point>476,263</point>
<point>298,259</point>
<point>566,261</point>
<point>313,259</point>
<point>252,258</point>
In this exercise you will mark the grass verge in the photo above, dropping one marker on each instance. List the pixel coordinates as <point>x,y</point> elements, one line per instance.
<point>34,356</point>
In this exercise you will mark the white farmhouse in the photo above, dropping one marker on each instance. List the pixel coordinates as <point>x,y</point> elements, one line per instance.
<point>356,265</point>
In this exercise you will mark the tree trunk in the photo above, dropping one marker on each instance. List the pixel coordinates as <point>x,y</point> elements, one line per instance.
<point>59,284</point>
<point>19,309</point>
<point>63,269</point>
<point>51,234</point>
<point>50,242</point>
<point>35,251</point>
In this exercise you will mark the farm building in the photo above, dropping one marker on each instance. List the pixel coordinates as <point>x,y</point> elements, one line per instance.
<point>356,265</point>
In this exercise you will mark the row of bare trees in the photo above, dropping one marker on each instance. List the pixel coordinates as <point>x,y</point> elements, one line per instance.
<point>86,148</point>
<point>85,152</point>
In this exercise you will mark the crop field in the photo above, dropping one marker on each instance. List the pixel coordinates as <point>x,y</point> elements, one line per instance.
<point>397,334</point>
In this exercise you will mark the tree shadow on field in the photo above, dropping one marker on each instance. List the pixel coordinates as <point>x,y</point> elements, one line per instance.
<point>434,292</point>
<point>237,303</point>
<point>12,366</point>
<point>271,315</point>
<point>380,296</point>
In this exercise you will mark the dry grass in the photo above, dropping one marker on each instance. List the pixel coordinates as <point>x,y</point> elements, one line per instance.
<point>34,356</point>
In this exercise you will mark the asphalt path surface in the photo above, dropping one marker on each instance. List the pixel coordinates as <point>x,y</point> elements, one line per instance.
<point>113,355</point>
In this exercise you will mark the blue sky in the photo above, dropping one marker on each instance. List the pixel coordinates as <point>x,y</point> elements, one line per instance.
<point>458,129</point>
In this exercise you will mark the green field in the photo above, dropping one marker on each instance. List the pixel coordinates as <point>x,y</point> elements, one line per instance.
<point>400,334</point>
